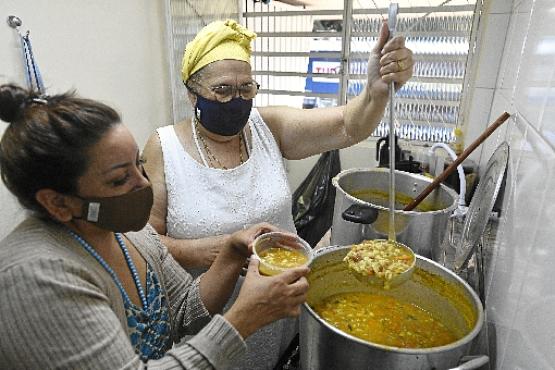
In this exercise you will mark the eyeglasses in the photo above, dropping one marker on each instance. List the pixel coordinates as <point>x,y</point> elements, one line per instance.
<point>224,93</point>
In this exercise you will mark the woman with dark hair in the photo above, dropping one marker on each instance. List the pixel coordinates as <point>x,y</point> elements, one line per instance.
<point>85,282</point>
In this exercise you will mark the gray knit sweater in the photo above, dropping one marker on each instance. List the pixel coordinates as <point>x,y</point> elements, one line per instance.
<point>60,309</point>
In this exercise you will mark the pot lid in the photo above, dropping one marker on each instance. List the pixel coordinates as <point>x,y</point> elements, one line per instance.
<point>481,205</point>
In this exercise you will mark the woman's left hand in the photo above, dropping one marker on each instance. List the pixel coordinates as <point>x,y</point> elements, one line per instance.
<point>389,61</point>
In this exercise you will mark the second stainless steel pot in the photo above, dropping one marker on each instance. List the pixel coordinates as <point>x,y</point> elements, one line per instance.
<point>355,219</point>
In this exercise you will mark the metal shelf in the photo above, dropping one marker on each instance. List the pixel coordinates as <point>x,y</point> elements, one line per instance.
<point>293,13</point>
<point>353,56</point>
<point>419,9</point>
<point>299,34</point>
<point>417,34</point>
<point>299,54</point>
<point>328,34</point>
<point>352,76</point>
<point>423,123</point>
<point>445,103</point>
<point>442,80</point>
<point>379,11</point>
<point>297,93</point>
<point>295,74</point>
<point>434,102</point>
<point>417,57</point>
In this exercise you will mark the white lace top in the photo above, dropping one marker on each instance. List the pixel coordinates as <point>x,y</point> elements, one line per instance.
<point>204,201</point>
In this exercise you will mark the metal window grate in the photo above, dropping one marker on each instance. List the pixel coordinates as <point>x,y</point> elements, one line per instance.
<point>184,18</point>
<point>301,58</point>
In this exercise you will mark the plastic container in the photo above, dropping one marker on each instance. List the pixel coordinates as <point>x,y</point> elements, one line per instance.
<point>279,252</point>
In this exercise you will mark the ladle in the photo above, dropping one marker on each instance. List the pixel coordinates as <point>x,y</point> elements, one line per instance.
<point>404,276</point>
<point>397,279</point>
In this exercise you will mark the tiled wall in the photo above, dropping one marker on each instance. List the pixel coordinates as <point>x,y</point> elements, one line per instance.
<point>517,74</point>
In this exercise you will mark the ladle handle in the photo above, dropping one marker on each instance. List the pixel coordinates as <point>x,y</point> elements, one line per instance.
<point>392,23</point>
<point>453,166</point>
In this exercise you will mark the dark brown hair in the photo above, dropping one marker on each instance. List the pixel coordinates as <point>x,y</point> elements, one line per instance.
<point>46,143</point>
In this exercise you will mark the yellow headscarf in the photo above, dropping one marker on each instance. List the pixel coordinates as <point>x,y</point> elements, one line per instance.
<point>217,41</point>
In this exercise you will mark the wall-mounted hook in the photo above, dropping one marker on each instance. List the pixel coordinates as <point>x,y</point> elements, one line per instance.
<point>14,22</point>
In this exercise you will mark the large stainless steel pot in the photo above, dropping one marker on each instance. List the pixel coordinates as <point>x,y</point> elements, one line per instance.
<point>355,220</point>
<point>432,287</point>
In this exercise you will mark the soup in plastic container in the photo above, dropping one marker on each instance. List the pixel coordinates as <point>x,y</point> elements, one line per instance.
<point>278,252</point>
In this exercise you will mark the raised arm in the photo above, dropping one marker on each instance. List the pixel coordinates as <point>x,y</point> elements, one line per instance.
<point>190,253</point>
<point>301,133</point>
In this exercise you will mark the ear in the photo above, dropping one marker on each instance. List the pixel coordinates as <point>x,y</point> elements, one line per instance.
<point>60,207</point>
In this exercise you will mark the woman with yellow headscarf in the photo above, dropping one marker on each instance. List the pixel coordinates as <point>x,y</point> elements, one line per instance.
<point>223,168</point>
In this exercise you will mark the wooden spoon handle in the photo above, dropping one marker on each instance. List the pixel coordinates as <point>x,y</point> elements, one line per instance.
<point>491,128</point>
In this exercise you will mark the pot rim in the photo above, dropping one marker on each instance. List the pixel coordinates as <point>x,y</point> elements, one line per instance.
<point>453,193</point>
<point>409,351</point>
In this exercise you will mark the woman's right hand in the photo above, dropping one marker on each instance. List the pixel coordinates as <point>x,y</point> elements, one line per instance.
<point>265,299</point>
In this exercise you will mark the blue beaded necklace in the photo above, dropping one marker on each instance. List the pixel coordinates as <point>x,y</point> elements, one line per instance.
<point>103,263</point>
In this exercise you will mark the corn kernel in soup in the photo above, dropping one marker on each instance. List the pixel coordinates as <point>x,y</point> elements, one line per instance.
<point>384,320</point>
<point>283,257</point>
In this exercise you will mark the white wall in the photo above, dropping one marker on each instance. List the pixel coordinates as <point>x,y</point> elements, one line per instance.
<point>113,51</point>
<point>521,293</point>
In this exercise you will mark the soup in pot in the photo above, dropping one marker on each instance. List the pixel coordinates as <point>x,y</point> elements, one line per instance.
<point>381,198</point>
<point>384,320</point>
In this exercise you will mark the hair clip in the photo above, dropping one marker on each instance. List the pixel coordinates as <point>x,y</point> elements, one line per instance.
<point>40,100</point>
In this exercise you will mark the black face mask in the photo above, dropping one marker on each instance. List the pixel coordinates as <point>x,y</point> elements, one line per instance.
<point>226,119</point>
<point>122,213</point>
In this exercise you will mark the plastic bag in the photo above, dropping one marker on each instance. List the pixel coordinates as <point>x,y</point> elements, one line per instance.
<point>314,199</point>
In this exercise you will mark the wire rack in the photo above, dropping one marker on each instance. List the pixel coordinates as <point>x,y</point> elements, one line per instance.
<point>184,18</point>
<point>316,57</point>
